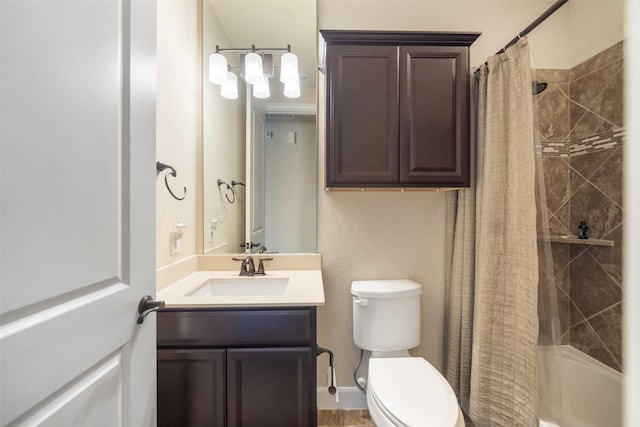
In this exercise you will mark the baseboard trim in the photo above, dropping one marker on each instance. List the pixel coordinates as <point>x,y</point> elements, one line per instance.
<point>349,398</point>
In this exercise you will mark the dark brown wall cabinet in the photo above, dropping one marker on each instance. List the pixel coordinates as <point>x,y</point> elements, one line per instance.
<point>237,367</point>
<point>397,109</point>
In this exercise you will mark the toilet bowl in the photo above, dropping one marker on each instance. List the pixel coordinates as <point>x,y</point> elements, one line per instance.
<point>409,391</point>
<point>401,390</point>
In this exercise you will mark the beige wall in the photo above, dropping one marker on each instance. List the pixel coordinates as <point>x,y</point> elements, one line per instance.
<point>396,235</point>
<point>178,119</point>
<point>336,315</point>
<point>377,235</point>
<point>562,41</point>
<point>499,21</point>
<point>360,235</point>
<point>593,27</point>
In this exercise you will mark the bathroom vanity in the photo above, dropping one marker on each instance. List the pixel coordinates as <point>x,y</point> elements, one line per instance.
<point>238,351</point>
<point>237,366</point>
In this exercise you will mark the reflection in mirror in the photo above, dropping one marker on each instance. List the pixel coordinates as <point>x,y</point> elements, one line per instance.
<point>267,147</point>
<point>282,205</point>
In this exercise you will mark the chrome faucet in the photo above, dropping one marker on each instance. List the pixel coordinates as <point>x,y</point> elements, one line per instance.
<point>247,268</point>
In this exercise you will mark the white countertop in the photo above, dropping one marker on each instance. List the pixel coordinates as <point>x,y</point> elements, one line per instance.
<point>304,288</point>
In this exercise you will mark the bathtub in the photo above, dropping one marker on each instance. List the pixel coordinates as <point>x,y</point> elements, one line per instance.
<point>591,392</point>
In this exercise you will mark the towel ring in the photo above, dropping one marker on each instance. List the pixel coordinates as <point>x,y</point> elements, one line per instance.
<point>226,193</point>
<point>161,167</point>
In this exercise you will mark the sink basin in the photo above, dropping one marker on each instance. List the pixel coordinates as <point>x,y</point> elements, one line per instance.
<point>241,286</point>
<point>225,288</point>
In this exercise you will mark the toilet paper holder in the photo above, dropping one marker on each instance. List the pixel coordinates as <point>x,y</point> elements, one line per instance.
<point>332,388</point>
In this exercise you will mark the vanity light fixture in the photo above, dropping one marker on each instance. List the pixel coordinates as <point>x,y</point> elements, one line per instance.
<point>218,68</point>
<point>254,61</point>
<point>261,88</point>
<point>229,88</point>
<point>292,88</point>
<point>253,71</point>
<point>289,68</point>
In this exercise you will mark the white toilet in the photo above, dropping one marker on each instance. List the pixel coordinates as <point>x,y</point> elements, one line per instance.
<point>401,390</point>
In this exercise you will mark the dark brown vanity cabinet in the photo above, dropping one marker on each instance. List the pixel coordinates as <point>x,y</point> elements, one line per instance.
<point>397,109</point>
<point>191,387</point>
<point>237,367</point>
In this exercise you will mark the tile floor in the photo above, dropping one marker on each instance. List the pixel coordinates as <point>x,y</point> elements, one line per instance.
<point>353,418</point>
<point>344,418</point>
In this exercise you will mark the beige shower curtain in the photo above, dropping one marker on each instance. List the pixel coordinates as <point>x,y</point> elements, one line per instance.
<point>492,322</point>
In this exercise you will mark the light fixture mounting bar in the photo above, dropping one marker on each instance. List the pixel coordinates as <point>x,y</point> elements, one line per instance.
<point>252,49</point>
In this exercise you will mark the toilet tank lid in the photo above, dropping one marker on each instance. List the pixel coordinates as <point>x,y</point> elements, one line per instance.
<point>385,288</point>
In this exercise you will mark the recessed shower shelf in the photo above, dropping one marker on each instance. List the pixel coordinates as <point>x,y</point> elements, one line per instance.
<point>573,240</point>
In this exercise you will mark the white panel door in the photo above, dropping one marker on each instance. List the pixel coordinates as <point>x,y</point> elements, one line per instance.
<point>255,178</point>
<point>77,214</point>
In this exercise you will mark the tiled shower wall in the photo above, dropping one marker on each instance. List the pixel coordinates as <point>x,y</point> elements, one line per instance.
<point>580,117</point>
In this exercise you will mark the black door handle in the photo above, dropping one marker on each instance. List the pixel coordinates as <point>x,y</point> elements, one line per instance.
<point>146,306</point>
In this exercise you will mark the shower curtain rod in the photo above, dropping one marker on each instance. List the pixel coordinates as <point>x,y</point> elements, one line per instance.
<point>534,24</point>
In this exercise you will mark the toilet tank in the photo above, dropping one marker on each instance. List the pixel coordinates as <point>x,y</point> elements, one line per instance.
<point>386,314</point>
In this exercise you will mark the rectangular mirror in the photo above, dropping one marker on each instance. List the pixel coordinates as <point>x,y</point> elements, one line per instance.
<point>259,155</point>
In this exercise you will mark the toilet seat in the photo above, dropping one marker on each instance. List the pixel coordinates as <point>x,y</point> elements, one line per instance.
<point>409,391</point>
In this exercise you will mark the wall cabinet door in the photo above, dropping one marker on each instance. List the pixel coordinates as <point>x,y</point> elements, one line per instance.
<point>271,387</point>
<point>434,111</point>
<point>191,387</point>
<point>362,109</point>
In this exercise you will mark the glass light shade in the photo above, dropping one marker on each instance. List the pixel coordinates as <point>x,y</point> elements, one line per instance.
<point>261,89</point>
<point>289,67</point>
<point>253,72</point>
<point>229,88</point>
<point>217,68</point>
<point>292,88</point>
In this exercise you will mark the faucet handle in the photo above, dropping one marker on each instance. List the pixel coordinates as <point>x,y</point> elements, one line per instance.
<point>261,271</point>
<point>243,267</point>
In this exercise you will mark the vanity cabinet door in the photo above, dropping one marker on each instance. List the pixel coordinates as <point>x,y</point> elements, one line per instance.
<point>271,387</point>
<point>191,387</point>
<point>249,367</point>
